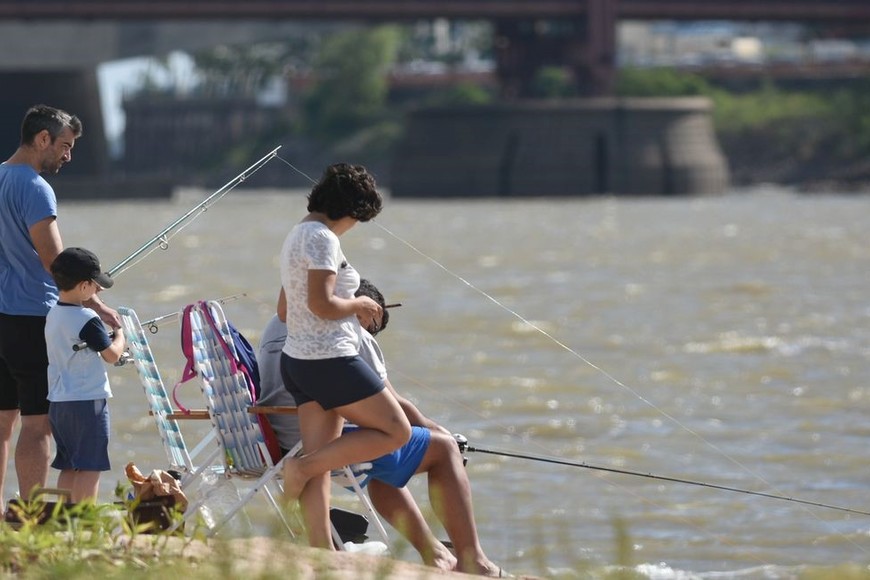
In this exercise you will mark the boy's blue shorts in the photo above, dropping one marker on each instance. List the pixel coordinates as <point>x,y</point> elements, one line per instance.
<point>398,467</point>
<point>81,434</point>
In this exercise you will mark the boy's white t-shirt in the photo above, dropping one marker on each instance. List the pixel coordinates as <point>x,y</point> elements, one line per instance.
<point>73,375</point>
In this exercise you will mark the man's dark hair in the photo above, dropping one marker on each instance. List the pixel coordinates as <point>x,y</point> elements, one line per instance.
<point>366,288</point>
<point>44,118</point>
<point>346,190</point>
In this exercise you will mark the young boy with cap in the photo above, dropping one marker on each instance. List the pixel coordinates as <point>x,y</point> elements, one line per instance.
<point>78,385</point>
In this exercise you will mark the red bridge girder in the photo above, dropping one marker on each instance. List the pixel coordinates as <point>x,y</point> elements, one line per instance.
<point>588,49</point>
<point>791,10</point>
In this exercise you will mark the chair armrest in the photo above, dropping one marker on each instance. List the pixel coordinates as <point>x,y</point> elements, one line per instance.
<point>276,410</point>
<point>192,414</point>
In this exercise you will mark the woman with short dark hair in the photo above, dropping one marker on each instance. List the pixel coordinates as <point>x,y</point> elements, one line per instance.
<point>320,362</point>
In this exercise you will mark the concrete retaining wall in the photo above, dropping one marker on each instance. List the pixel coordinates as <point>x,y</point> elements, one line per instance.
<point>582,147</point>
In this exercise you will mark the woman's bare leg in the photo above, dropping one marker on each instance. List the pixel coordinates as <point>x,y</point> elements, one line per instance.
<point>319,428</point>
<point>383,428</point>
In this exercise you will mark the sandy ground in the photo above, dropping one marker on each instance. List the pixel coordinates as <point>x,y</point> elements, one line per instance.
<point>254,556</point>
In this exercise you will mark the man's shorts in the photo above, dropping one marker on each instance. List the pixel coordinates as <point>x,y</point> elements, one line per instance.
<point>81,435</point>
<point>398,467</point>
<point>23,364</point>
<point>332,382</point>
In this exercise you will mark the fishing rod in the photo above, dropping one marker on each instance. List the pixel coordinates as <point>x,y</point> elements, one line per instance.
<point>153,325</point>
<point>163,237</point>
<point>464,446</point>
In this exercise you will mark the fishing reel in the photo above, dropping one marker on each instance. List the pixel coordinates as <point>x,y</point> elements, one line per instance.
<point>125,356</point>
<point>462,442</point>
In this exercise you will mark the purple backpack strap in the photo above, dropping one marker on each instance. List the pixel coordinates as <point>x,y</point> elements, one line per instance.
<point>187,351</point>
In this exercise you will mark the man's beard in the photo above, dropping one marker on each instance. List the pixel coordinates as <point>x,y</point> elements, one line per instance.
<point>52,167</point>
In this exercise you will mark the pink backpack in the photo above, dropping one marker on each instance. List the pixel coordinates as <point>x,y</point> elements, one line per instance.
<point>246,363</point>
<point>236,362</point>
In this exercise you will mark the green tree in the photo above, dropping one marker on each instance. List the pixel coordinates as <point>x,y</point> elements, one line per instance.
<point>351,84</point>
<point>657,82</point>
<point>852,111</point>
<point>460,94</point>
<point>553,82</point>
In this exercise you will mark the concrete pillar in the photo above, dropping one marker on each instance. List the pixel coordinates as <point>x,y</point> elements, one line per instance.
<point>567,148</point>
<point>75,91</point>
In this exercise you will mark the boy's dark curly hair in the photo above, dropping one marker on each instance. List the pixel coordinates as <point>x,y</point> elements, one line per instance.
<point>366,288</point>
<point>346,190</point>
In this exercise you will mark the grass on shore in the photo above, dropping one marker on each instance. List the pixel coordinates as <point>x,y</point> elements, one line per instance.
<point>88,541</point>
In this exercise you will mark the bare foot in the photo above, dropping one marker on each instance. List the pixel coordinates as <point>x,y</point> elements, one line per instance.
<point>483,567</point>
<point>294,480</point>
<point>443,559</point>
<point>495,572</point>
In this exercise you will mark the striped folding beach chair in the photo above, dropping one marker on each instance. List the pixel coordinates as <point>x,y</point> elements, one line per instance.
<point>228,394</point>
<point>228,399</point>
<point>166,418</point>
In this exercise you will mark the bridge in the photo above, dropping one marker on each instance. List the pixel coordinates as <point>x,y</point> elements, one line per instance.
<point>51,47</point>
<point>817,11</point>
<point>578,34</point>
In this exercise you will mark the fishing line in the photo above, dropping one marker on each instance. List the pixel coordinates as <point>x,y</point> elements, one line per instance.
<point>602,371</point>
<point>714,535</point>
<point>585,465</point>
<point>619,383</point>
<point>296,169</point>
<point>550,337</point>
<point>571,351</point>
<point>161,240</point>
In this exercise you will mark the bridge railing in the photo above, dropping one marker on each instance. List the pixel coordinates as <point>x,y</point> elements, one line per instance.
<point>809,10</point>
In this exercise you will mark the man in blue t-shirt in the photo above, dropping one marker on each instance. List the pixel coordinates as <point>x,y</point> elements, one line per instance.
<point>29,242</point>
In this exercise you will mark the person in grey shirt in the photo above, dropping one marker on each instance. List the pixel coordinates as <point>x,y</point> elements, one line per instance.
<point>432,450</point>
<point>272,391</point>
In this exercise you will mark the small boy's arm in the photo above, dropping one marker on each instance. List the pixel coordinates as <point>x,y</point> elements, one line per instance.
<point>112,353</point>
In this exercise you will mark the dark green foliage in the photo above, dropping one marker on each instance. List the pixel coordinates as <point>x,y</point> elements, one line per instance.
<point>659,82</point>
<point>773,134</point>
<point>350,88</point>
<point>553,82</point>
<point>460,94</point>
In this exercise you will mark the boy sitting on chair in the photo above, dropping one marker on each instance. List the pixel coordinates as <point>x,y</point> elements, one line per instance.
<point>432,449</point>
<point>78,385</point>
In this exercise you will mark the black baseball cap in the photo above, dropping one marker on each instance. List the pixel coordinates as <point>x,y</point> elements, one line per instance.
<point>81,264</point>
